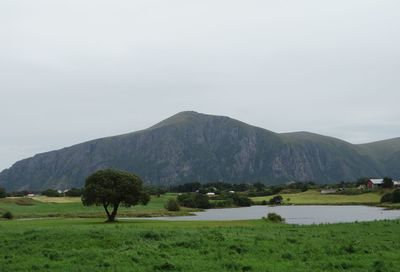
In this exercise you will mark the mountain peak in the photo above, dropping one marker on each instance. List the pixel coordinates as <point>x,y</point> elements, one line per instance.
<point>184,117</point>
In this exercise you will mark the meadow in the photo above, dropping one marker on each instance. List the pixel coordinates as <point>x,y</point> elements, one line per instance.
<point>314,197</point>
<point>71,207</point>
<point>141,245</point>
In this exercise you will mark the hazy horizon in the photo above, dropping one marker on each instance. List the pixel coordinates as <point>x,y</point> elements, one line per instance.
<point>73,71</point>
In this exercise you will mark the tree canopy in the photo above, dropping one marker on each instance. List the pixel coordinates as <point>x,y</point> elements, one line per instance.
<point>112,188</point>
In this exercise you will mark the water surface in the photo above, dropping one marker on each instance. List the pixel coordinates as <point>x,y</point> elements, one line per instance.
<point>312,214</point>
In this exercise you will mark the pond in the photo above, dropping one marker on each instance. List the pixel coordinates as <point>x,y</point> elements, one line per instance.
<point>304,215</point>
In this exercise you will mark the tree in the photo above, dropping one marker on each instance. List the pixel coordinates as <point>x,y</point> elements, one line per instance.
<point>112,188</point>
<point>259,186</point>
<point>387,183</point>
<point>3,193</point>
<point>51,193</point>
<point>74,192</point>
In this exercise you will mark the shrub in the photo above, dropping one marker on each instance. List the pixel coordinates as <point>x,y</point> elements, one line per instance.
<point>396,196</point>
<point>276,200</point>
<point>241,201</point>
<point>8,215</point>
<point>172,205</point>
<point>387,198</point>
<point>275,218</point>
<point>393,197</point>
<point>194,200</point>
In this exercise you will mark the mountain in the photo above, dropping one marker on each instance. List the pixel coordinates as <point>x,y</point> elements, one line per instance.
<point>190,146</point>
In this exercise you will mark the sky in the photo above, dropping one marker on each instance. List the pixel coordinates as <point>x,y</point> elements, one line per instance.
<point>76,70</point>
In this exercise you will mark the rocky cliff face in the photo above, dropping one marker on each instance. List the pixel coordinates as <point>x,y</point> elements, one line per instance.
<point>197,147</point>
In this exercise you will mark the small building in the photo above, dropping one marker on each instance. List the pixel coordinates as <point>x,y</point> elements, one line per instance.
<point>396,184</point>
<point>30,195</point>
<point>211,194</point>
<point>374,183</point>
<point>231,192</point>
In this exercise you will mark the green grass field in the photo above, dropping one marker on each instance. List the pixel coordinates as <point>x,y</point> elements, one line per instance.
<point>315,197</point>
<point>72,207</point>
<point>91,245</point>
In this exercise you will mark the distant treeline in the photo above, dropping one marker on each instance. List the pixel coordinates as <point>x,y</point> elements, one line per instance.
<point>252,189</point>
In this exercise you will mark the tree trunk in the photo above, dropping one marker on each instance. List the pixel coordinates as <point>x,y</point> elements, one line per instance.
<point>108,213</point>
<point>111,216</point>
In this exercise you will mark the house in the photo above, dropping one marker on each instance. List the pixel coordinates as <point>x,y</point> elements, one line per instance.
<point>30,195</point>
<point>374,183</point>
<point>396,184</point>
<point>211,194</point>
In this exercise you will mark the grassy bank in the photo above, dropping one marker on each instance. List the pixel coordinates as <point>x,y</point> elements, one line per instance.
<point>68,207</point>
<point>315,197</point>
<point>90,245</point>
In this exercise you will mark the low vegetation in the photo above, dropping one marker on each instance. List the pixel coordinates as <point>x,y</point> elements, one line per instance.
<point>392,197</point>
<point>90,245</point>
<point>172,205</point>
<point>71,207</point>
<point>311,197</point>
<point>274,218</point>
<point>7,215</point>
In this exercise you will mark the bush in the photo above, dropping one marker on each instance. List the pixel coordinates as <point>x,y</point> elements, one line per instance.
<point>194,200</point>
<point>241,201</point>
<point>396,196</point>
<point>3,193</point>
<point>387,198</point>
<point>393,197</point>
<point>172,205</point>
<point>8,215</point>
<point>276,200</point>
<point>275,218</point>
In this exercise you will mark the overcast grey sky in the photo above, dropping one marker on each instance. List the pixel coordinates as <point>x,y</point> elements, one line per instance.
<point>75,70</point>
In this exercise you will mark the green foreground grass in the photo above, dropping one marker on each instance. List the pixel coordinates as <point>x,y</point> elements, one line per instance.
<point>311,197</point>
<point>71,207</point>
<point>91,245</point>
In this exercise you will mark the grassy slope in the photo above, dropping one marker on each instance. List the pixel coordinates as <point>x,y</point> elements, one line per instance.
<point>315,197</point>
<point>89,245</point>
<point>72,207</point>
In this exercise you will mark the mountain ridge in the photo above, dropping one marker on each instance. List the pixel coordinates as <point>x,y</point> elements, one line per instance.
<point>192,146</point>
